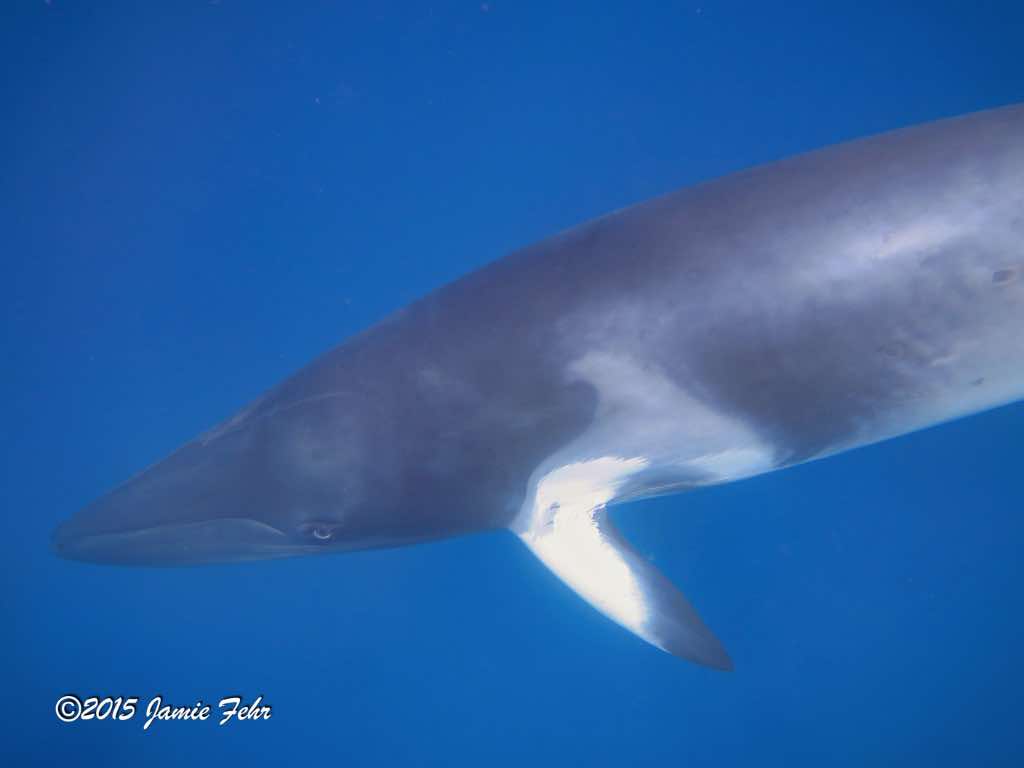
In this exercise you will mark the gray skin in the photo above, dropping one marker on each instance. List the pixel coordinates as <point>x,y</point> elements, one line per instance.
<point>820,303</point>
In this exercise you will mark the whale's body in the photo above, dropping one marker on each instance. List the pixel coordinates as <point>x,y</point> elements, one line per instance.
<point>772,317</point>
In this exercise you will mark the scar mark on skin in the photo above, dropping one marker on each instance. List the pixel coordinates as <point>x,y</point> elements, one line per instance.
<point>1002,276</point>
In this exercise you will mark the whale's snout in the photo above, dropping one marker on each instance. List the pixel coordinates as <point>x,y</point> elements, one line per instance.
<point>281,483</point>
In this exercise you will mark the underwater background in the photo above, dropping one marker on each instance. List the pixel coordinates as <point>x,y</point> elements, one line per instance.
<point>200,197</point>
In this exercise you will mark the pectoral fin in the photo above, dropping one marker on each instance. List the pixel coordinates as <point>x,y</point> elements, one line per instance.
<point>580,544</point>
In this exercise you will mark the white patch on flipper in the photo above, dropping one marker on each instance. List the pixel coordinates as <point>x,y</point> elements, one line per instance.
<point>577,541</point>
<point>563,530</point>
<point>648,436</point>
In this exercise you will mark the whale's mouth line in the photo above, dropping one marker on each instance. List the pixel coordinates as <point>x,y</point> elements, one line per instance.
<point>220,540</point>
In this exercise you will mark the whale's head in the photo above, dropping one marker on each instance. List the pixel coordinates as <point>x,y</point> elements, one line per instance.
<point>287,476</point>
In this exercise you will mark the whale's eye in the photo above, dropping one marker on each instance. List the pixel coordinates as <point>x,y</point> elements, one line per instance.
<point>319,533</point>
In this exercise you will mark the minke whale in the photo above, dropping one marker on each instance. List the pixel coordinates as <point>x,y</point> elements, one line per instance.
<point>750,323</point>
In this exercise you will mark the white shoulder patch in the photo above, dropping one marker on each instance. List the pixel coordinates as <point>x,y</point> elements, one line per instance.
<point>641,412</point>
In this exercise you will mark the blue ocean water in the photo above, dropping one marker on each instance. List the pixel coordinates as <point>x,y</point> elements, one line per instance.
<point>200,197</point>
